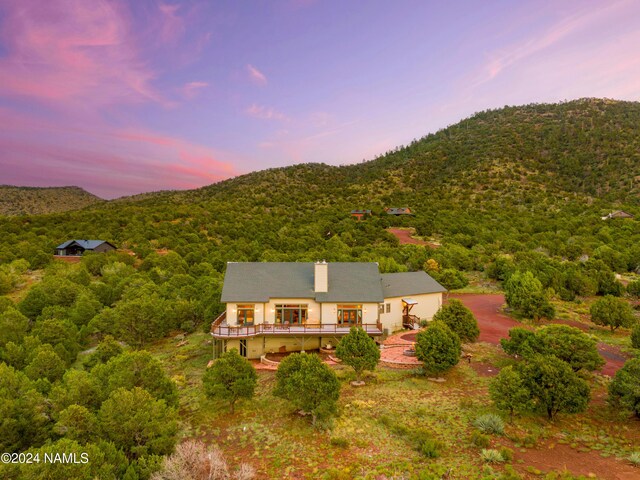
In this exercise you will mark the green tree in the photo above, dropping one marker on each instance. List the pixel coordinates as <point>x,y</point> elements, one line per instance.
<point>101,460</point>
<point>624,389</point>
<point>438,347</point>
<point>136,369</point>
<point>635,336</point>
<point>359,351</point>
<point>571,345</point>
<point>13,326</point>
<point>77,423</point>
<point>309,384</point>
<point>509,392</point>
<point>138,423</point>
<point>77,387</point>
<point>612,312</point>
<point>105,351</point>
<point>459,319</point>
<point>633,289</point>
<point>24,416</point>
<point>230,378</point>
<point>522,342</point>
<point>554,387</point>
<point>45,364</point>
<point>525,294</point>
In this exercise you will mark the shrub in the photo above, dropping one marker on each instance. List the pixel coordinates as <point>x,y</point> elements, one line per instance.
<point>340,442</point>
<point>525,294</point>
<point>438,348</point>
<point>509,392</point>
<point>490,455</point>
<point>623,389</point>
<point>309,384</point>
<point>554,387</point>
<point>359,351</point>
<point>634,458</point>
<point>459,319</point>
<point>489,423</point>
<point>429,448</point>
<point>230,378</point>
<point>480,439</point>
<point>612,312</point>
<point>506,453</point>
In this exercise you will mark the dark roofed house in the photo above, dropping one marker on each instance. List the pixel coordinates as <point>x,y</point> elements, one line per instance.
<point>360,214</point>
<point>399,211</point>
<point>291,306</point>
<point>74,248</point>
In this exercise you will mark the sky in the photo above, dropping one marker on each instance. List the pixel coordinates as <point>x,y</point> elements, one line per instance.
<point>124,97</point>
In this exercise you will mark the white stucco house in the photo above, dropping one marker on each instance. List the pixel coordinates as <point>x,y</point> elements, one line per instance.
<point>292,306</point>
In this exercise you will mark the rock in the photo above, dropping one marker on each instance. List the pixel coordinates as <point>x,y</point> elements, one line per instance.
<point>437,380</point>
<point>357,383</point>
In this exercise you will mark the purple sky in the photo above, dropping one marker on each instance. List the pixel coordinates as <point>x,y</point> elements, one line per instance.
<point>126,97</point>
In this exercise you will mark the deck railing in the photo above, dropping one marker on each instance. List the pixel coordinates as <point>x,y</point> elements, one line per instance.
<point>219,329</point>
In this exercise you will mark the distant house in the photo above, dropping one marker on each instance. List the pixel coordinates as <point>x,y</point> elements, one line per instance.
<point>75,248</point>
<point>617,214</point>
<point>399,211</point>
<point>360,214</point>
<point>290,306</point>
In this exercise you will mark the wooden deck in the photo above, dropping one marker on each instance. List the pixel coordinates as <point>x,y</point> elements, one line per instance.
<point>220,329</point>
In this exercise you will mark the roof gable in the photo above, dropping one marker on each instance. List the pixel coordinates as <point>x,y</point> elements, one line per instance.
<point>409,283</point>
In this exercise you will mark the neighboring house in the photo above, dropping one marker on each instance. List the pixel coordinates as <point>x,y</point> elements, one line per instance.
<point>74,248</point>
<point>399,211</point>
<point>360,214</point>
<point>292,306</point>
<point>617,214</point>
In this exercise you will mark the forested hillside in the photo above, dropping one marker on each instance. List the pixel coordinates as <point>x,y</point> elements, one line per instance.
<point>37,201</point>
<point>517,189</point>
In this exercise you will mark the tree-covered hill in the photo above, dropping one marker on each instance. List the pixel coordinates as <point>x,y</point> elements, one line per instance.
<point>518,179</point>
<point>37,201</point>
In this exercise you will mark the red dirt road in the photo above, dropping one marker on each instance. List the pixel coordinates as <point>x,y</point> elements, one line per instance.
<point>404,236</point>
<point>495,325</point>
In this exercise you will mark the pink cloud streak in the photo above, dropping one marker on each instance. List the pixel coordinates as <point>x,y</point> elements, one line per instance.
<point>265,113</point>
<point>256,76</point>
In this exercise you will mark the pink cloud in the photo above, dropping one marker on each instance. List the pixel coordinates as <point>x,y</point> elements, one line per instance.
<point>190,90</point>
<point>110,162</point>
<point>72,51</point>
<point>172,25</point>
<point>256,76</point>
<point>265,113</point>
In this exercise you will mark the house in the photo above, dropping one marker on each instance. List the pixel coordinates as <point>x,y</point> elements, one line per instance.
<point>399,211</point>
<point>617,214</point>
<point>74,248</point>
<point>360,214</point>
<point>293,306</point>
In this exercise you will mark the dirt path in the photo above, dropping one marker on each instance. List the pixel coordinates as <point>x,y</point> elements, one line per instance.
<point>405,236</point>
<point>559,457</point>
<point>495,325</point>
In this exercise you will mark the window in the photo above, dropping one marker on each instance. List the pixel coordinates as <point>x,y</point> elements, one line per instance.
<point>388,308</point>
<point>349,314</point>
<point>243,347</point>
<point>246,314</point>
<point>381,308</point>
<point>291,314</point>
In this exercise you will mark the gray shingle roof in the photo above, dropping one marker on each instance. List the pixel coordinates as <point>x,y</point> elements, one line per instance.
<point>261,281</point>
<point>409,283</point>
<point>86,244</point>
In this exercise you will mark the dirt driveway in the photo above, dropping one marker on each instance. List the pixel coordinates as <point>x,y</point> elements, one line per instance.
<point>495,325</point>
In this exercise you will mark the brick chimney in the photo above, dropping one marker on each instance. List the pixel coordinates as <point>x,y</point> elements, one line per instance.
<point>321,277</point>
